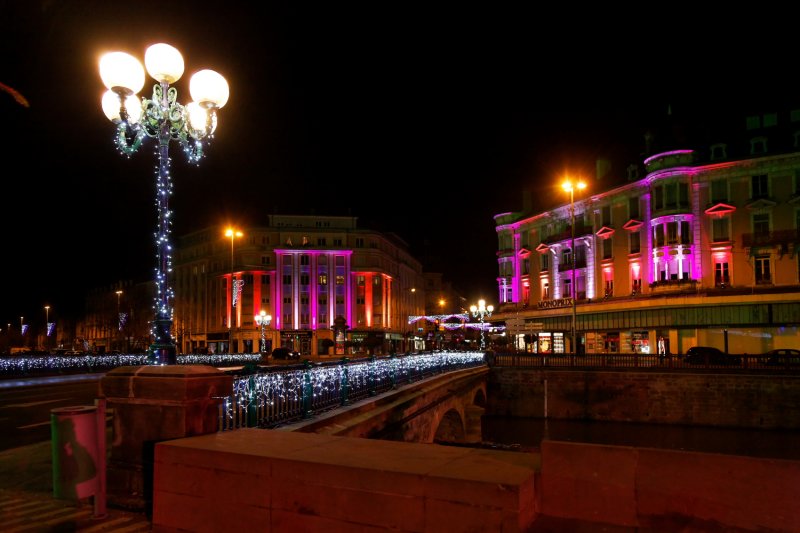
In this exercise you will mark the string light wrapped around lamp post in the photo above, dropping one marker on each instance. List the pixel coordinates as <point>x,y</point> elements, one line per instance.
<point>482,311</point>
<point>263,320</point>
<point>164,119</point>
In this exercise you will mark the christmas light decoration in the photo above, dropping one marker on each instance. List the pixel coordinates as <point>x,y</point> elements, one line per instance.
<point>279,396</point>
<point>164,119</point>
<point>51,326</point>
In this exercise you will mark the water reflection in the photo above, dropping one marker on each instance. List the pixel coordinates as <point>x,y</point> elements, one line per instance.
<point>529,432</point>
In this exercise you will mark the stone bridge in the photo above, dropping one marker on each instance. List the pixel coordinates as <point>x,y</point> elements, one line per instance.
<point>445,408</point>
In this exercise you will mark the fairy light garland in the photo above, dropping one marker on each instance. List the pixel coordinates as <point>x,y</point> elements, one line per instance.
<point>282,390</point>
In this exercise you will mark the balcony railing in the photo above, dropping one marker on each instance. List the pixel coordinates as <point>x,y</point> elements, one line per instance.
<point>771,238</point>
<point>580,231</point>
<point>563,267</point>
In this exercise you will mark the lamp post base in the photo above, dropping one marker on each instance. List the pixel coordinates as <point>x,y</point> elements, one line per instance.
<point>163,354</point>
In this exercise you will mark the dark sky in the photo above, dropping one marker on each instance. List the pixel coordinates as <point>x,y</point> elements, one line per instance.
<point>425,121</point>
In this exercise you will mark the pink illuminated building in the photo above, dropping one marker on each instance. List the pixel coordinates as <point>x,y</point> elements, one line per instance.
<point>304,271</point>
<point>704,250</point>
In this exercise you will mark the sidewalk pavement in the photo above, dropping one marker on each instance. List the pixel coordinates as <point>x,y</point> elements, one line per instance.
<point>27,503</point>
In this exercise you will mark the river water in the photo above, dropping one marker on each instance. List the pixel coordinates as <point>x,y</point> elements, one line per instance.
<point>528,433</point>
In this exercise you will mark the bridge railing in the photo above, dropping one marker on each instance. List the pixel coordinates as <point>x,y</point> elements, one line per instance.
<point>280,395</point>
<point>732,362</point>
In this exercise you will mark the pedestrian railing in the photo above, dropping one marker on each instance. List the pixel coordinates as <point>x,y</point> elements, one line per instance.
<point>730,362</point>
<point>280,395</point>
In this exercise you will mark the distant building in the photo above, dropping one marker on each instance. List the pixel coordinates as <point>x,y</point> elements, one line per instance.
<point>304,271</point>
<point>703,250</point>
<point>113,322</point>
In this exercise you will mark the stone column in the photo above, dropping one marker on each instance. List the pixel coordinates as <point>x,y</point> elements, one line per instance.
<point>153,404</point>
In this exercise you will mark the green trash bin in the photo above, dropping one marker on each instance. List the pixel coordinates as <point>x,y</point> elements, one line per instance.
<point>76,446</point>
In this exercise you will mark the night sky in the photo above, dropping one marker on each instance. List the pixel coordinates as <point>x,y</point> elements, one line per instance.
<point>424,121</point>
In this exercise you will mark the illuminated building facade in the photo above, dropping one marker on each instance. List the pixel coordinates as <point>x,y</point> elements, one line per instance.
<point>703,251</point>
<point>304,271</point>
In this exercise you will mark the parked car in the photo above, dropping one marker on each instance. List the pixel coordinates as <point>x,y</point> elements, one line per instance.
<point>783,357</point>
<point>698,355</point>
<point>285,353</point>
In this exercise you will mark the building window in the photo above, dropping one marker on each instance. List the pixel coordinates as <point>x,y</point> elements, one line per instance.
<point>321,241</point>
<point>634,242</point>
<point>305,259</point>
<point>758,145</point>
<point>658,234</point>
<point>762,269</point>
<point>287,320</point>
<point>323,279</point>
<point>265,279</point>
<point>686,232</point>
<point>287,279</point>
<point>304,299</point>
<point>759,187</point>
<point>566,256</point>
<point>287,300</point>
<point>339,260</point>
<point>761,224</point>
<point>376,280</point>
<point>606,215</point>
<point>567,288</point>
<point>360,281</point>
<point>721,276</point>
<point>636,286</point>
<point>753,122</point>
<point>609,288</point>
<point>720,230</point>
<point>545,260</point>
<point>633,208</point>
<point>304,279</point>
<point>340,280</point>
<point>359,242</point>
<point>546,290</point>
<point>608,248</point>
<point>264,259</point>
<point>323,318</point>
<point>322,300</point>
<point>360,299</point>
<point>719,151</point>
<point>770,119</point>
<point>719,191</point>
<point>671,196</point>
<point>248,279</point>
<point>672,232</point>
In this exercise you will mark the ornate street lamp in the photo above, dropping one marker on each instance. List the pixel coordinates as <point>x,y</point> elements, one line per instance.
<point>482,311</point>
<point>232,233</point>
<point>164,119</point>
<point>263,320</point>
<point>570,188</point>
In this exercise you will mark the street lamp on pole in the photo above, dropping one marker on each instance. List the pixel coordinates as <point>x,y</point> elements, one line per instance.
<point>481,311</point>
<point>119,317</point>
<point>263,320</point>
<point>46,324</point>
<point>232,233</point>
<point>570,187</point>
<point>164,119</point>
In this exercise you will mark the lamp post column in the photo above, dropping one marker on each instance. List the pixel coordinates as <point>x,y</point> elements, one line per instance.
<point>574,265</point>
<point>570,187</point>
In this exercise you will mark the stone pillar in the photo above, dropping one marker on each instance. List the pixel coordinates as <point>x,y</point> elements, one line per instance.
<point>153,404</point>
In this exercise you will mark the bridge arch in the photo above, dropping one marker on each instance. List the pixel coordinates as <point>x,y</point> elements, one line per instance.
<point>450,428</point>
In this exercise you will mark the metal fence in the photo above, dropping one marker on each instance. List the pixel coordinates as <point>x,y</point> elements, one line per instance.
<point>280,395</point>
<point>727,362</point>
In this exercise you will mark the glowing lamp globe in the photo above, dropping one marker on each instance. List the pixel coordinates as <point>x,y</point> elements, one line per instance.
<point>121,73</point>
<point>164,63</point>
<point>198,120</point>
<point>111,107</point>
<point>209,88</point>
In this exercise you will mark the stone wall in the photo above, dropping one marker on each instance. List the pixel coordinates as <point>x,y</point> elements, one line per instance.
<point>723,400</point>
<point>644,487</point>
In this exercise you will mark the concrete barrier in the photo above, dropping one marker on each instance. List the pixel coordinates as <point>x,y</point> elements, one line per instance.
<point>265,480</point>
